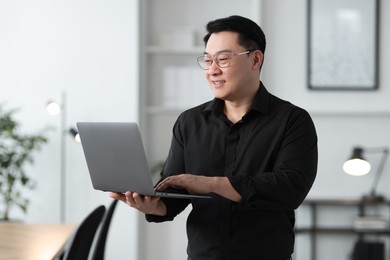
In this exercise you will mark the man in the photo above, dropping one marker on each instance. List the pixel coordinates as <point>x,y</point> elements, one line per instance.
<point>255,154</point>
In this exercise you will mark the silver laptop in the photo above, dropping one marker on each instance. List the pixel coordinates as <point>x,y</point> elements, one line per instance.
<point>116,159</point>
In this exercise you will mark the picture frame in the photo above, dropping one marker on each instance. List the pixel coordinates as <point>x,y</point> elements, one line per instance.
<point>343,43</point>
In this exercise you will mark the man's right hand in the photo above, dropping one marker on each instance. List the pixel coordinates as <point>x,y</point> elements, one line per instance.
<point>146,204</point>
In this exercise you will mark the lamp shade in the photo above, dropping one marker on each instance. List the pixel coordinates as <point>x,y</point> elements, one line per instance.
<point>75,134</point>
<point>53,108</point>
<point>357,165</point>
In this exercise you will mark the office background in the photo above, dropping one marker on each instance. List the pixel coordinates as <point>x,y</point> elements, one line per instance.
<point>90,50</point>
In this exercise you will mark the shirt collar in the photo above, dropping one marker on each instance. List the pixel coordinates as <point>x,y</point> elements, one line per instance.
<point>260,102</point>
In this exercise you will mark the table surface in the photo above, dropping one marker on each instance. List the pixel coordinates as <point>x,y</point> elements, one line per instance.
<point>32,241</point>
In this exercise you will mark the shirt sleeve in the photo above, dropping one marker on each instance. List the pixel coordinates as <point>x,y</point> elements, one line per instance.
<point>294,171</point>
<point>174,164</point>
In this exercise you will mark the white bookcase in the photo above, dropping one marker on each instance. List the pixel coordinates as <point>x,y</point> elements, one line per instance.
<point>171,33</point>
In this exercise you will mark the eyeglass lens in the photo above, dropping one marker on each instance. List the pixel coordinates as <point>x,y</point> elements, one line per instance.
<point>221,59</point>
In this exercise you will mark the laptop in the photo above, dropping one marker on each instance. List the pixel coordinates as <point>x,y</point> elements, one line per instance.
<point>116,159</point>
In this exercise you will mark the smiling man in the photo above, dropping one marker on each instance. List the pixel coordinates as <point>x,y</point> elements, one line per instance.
<point>255,154</point>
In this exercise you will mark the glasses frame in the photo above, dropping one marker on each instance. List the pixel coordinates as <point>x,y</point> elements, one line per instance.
<point>213,59</point>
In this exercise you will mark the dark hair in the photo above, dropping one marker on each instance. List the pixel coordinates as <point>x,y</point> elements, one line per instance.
<point>251,36</point>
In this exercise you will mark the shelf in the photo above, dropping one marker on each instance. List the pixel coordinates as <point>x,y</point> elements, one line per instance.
<point>343,202</point>
<point>341,230</point>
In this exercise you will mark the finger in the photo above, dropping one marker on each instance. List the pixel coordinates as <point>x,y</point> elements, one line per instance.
<point>113,195</point>
<point>128,194</point>
<point>149,199</point>
<point>129,198</point>
<point>160,185</point>
<point>137,197</point>
<point>166,183</point>
<point>118,196</point>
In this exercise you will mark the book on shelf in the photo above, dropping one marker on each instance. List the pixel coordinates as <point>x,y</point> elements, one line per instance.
<point>370,223</point>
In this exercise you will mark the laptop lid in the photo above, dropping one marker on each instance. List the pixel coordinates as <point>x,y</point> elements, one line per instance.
<point>116,158</point>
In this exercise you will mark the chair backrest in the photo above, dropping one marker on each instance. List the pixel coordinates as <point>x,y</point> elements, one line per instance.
<point>79,245</point>
<point>99,244</point>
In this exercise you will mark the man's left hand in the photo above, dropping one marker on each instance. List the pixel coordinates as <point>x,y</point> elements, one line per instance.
<point>192,183</point>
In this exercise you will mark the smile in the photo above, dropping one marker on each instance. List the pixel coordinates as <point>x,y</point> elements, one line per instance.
<point>218,83</point>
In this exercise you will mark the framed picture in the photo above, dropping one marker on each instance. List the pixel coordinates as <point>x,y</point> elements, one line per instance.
<point>343,44</point>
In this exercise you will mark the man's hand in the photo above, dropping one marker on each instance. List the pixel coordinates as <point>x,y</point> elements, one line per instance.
<point>201,185</point>
<point>192,183</point>
<point>146,204</point>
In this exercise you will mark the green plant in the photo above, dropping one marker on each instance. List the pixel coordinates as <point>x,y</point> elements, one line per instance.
<point>16,150</point>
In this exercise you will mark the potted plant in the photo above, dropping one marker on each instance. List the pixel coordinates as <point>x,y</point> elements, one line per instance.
<point>16,150</point>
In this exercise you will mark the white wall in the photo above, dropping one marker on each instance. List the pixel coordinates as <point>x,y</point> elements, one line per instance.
<point>88,49</point>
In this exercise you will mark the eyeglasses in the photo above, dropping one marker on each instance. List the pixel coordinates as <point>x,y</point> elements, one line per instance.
<point>222,59</point>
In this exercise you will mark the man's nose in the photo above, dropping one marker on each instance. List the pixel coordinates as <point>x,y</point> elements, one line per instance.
<point>214,69</point>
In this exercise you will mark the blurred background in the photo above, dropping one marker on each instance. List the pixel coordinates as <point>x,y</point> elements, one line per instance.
<point>114,61</point>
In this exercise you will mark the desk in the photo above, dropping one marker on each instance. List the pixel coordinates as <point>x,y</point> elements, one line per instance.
<point>32,241</point>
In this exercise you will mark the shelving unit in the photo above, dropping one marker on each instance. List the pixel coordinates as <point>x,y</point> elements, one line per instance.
<point>315,229</point>
<point>171,38</point>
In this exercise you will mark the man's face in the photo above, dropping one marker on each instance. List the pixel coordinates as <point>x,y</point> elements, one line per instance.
<point>234,82</point>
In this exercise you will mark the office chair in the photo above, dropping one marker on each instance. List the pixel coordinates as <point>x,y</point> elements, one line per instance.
<point>99,244</point>
<point>78,246</point>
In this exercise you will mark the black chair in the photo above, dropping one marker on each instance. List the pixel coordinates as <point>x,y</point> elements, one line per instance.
<point>78,246</point>
<point>99,244</point>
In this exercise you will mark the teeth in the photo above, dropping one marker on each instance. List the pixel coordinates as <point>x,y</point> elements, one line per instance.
<point>217,82</point>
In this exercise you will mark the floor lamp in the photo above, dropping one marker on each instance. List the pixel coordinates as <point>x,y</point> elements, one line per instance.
<point>55,108</point>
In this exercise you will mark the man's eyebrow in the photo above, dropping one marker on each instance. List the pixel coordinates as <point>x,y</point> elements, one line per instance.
<point>225,50</point>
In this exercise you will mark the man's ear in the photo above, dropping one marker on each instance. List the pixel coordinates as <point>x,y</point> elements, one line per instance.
<point>257,60</point>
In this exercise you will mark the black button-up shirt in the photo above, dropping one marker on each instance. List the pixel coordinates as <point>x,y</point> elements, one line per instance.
<point>270,158</point>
